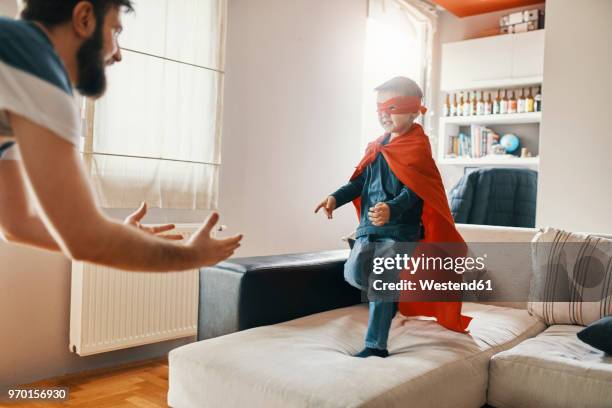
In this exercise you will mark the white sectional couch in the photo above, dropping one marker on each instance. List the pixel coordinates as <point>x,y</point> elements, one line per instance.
<point>307,362</point>
<point>508,359</point>
<point>553,369</point>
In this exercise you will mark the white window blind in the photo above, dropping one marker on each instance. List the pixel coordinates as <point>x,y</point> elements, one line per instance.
<point>155,135</point>
<point>399,42</point>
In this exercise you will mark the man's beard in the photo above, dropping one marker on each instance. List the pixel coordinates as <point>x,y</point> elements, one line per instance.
<point>90,62</point>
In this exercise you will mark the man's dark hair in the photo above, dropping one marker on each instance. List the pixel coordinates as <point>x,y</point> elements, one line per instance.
<point>91,77</point>
<point>51,13</point>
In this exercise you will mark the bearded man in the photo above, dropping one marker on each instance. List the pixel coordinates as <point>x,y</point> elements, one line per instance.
<point>46,199</point>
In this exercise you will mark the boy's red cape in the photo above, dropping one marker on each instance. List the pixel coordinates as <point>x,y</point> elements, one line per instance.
<point>410,159</point>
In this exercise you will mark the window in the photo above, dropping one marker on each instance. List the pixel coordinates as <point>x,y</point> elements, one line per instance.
<point>399,41</point>
<point>155,135</point>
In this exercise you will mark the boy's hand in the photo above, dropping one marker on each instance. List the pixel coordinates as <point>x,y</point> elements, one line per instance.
<point>379,214</point>
<point>329,205</point>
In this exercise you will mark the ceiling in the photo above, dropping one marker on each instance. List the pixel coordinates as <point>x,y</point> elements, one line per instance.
<point>464,8</point>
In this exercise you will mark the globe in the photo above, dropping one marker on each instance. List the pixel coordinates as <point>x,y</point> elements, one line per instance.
<point>510,142</point>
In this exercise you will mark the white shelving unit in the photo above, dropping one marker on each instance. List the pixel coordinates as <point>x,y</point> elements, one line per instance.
<point>484,64</point>
<point>501,61</point>
<point>451,126</point>
<point>509,119</point>
<point>493,84</point>
<point>491,161</point>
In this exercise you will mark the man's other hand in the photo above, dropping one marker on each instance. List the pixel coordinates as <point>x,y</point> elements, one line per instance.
<point>210,250</point>
<point>135,218</point>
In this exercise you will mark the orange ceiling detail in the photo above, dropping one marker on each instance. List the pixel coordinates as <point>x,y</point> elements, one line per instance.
<point>464,8</point>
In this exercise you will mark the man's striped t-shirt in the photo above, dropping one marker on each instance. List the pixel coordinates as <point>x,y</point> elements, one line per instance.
<point>34,84</point>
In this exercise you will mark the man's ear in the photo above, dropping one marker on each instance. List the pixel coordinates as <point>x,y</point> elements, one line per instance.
<point>84,19</point>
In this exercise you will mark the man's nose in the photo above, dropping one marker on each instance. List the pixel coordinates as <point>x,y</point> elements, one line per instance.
<point>117,56</point>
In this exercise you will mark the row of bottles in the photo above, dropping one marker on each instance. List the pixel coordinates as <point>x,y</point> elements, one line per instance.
<point>505,101</point>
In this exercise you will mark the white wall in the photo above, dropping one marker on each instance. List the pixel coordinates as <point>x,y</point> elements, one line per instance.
<point>575,189</point>
<point>292,120</point>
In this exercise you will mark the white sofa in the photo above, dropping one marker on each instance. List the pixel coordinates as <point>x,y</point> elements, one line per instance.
<point>508,359</point>
<point>553,369</point>
<point>307,362</point>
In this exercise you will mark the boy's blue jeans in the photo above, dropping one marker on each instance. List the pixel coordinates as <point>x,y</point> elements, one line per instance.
<point>381,312</point>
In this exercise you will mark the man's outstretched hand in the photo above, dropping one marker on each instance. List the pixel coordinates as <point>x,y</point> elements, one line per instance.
<point>207,249</point>
<point>329,205</point>
<point>210,250</point>
<point>135,218</point>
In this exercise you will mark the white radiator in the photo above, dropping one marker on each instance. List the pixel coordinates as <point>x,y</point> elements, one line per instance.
<point>112,309</point>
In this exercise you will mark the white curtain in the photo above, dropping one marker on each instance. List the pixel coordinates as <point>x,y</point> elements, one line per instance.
<point>155,135</point>
<point>399,42</point>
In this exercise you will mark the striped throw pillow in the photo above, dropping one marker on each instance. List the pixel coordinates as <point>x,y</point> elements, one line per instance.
<point>571,281</point>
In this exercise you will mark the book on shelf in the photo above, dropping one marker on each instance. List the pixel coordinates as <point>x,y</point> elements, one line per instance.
<point>478,143</point>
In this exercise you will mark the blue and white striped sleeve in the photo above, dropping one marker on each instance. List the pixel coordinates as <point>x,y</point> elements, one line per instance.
<point>34,83</point>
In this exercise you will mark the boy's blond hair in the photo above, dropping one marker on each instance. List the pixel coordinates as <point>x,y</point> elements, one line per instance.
<point>401,85</point>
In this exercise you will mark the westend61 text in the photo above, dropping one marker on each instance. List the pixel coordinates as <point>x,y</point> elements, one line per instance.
<point>431,285</point>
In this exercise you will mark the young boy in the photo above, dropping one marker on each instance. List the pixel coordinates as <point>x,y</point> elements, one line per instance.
<point>399,196</point>
<point>390,211</point>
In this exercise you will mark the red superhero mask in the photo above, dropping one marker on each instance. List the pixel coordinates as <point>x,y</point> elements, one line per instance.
<point>402,105</point>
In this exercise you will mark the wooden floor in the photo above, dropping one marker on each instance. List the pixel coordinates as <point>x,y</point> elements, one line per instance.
<point>143,386</point>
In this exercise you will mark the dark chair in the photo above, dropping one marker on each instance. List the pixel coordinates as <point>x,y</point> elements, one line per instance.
<point>496,196</point>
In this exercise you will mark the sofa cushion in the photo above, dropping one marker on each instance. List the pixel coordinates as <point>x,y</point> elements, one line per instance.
<point>308,362</point>
<point>510,273</point>
<point>554,369</point>
<point>598,334</point>
<point>571,277</point>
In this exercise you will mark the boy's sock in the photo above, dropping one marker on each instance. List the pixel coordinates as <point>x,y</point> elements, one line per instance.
<point>372,352</point>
